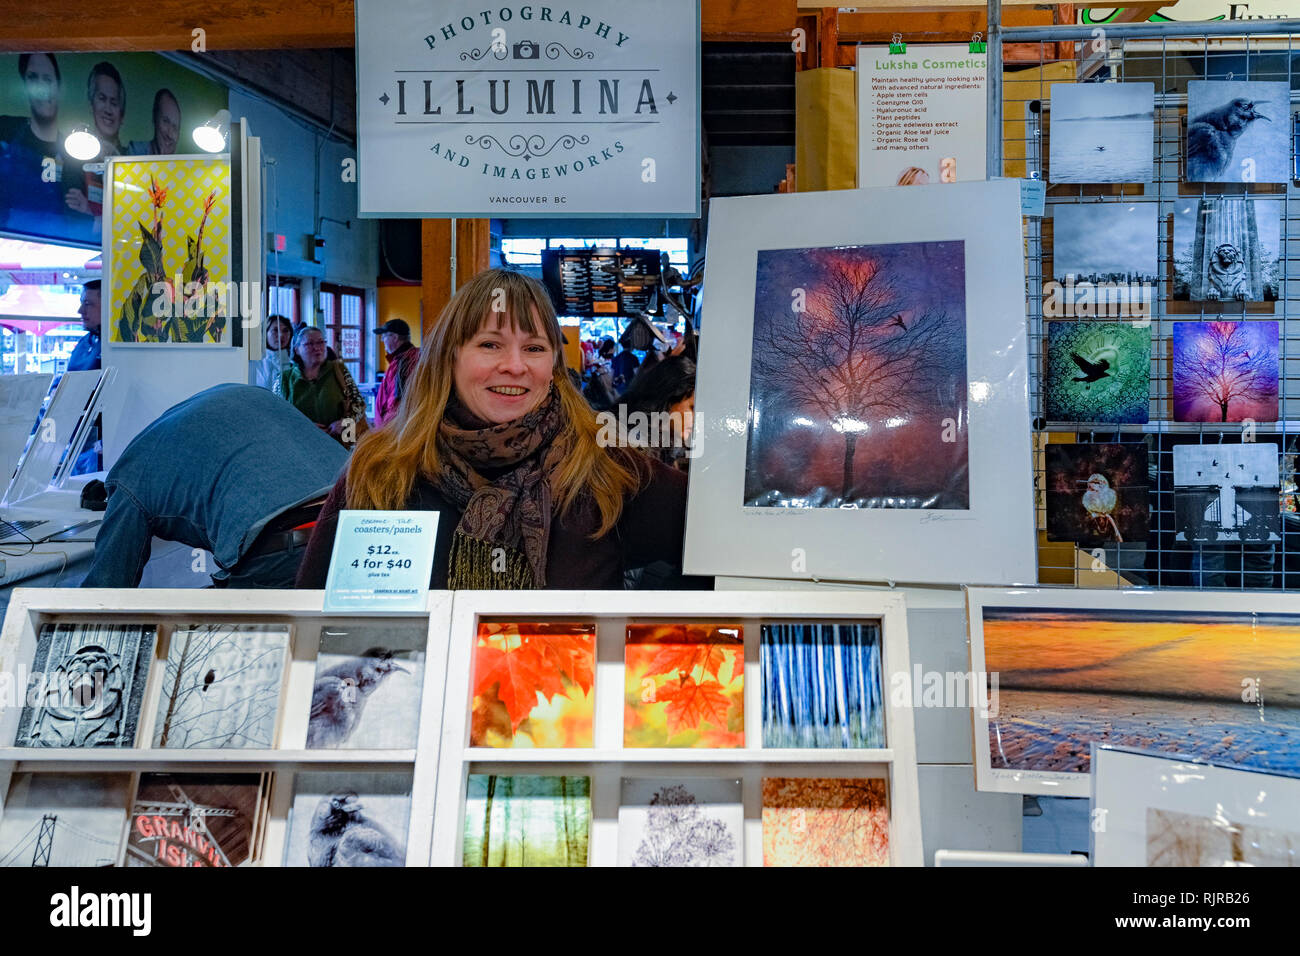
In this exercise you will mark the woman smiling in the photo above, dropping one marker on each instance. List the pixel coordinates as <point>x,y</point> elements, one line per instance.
<point>493,434</point>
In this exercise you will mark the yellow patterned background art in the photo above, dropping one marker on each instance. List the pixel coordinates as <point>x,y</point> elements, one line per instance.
<point>170,278</point>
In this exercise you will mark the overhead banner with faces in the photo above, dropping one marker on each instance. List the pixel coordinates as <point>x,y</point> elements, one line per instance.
<point>528,110</point>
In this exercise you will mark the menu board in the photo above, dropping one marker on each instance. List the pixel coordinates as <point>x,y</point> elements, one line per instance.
<point>602,282</point>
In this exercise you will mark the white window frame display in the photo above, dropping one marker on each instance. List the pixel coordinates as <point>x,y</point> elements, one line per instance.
<point>992,542</point>
<point>1127,783</point>
<point>609,761</point>
<point>29,608</point>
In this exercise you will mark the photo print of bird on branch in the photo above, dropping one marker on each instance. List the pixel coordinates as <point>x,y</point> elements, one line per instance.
<point>858,381</point>
<point>367,689</point>
<point>1098,372</point>
<point>221,686</point>
<point>1238,131</point>
<point>1102,133</point>
<point>1097,495</point>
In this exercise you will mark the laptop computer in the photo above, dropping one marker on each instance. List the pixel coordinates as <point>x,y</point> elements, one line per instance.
<point>33,510</point>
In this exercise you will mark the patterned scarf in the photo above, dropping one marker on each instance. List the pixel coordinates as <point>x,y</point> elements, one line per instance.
<point>502,536</point>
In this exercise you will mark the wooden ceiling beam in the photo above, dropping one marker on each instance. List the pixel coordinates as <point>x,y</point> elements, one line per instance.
<point>75,25</point>
<point>132,25</point>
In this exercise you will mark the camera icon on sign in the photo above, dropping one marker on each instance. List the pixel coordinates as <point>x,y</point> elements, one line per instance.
<point>526,50</point>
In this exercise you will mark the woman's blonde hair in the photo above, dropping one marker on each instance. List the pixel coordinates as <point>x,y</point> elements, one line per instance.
<point>387,460</point>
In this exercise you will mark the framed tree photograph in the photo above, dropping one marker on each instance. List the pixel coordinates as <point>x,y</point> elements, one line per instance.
<point>861,413</point>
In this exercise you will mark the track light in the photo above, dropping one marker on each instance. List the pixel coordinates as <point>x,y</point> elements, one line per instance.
<point>213,135</point>
<point>82,144</point>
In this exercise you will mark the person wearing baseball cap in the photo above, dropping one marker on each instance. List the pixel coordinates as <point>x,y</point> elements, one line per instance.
<point>402,356</point>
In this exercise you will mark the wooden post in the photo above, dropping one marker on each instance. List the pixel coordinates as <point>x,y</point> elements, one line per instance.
<point>472,257</point>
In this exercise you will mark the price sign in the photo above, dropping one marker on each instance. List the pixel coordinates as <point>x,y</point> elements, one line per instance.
<point>382,561</point>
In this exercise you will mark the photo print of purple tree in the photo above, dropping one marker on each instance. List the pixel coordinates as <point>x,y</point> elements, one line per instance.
<point>858,378</point>
<point>1225,371</point>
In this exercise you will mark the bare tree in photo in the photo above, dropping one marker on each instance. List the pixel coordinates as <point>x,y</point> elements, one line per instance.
<point>222,689</point>
<point>1221,368</point>
<point>855,354</point>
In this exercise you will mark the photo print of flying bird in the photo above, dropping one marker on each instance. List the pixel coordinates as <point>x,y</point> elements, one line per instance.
<point>1097,372</point>
<point>1101,133</point>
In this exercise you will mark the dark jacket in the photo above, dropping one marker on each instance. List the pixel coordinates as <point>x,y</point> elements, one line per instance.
<point>210,473</point>
<point>651,528</point>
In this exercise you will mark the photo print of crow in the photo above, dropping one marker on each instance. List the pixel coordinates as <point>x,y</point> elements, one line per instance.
<point>340,694</point>
<point>368,687</point>
<point>1097,372</point>
<point>348,819</point>
<point>1238,131</point>
<point>343,834</point>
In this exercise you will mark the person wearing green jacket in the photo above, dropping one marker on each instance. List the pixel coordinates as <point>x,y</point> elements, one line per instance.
<point>323,389</point>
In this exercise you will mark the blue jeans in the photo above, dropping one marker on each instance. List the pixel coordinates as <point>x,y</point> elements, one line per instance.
<point>1212,562</point>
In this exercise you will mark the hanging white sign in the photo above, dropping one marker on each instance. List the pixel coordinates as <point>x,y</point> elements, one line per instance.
<point>573,108</point>
<point>922,115</point>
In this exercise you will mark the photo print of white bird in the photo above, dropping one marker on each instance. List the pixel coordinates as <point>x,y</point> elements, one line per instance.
<point>1099,501</point>
<point>1238,131</point>
<point>367,689</point>
<point>344,834</point>
<point>1097,495</point>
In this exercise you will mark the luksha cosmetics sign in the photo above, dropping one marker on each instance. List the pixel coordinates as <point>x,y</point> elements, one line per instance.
<point>510,110</point>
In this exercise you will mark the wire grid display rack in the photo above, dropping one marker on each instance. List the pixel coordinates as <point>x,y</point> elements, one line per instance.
<point>1191,542</point>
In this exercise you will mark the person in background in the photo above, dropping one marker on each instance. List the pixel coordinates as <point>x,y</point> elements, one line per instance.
<point>492,434</point>
<point>198,476</point>
<point>599,390</point>
<point>166,127</point>
<point>667,390</point>
<point>31,194</point>
<point>623,366</point>
<point>108,108</point>
<point>402,356</point>
<point>322,388</point>
<point>86,354</point>
<point>277,358</point>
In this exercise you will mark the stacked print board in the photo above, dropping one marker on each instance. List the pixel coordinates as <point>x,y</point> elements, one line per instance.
<point>736,729</point>
<point>201,728</point>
